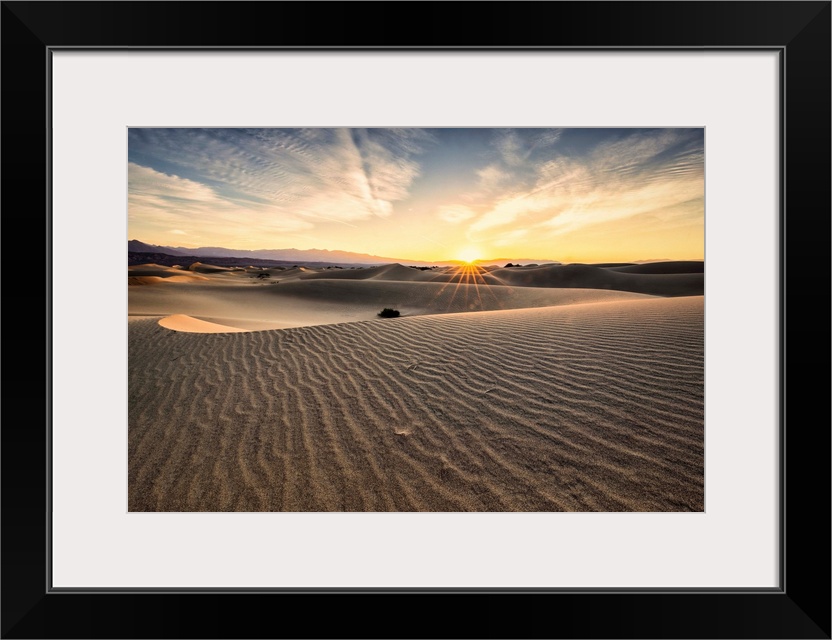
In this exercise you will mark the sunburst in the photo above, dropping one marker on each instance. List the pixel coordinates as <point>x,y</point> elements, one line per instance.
<point>469,255</point>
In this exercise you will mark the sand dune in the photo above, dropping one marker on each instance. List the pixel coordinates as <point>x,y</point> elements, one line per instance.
<point>145,280</point>
<point>282,298</point>
<point>690,266</point>
<point>151,269</point>
<point>394,272</point>
<point>608,265</point>
<point>279,303</point>
<point>179,322</point>
<point>592,277</point>
<point>663,279</point>
<point>589,407</point>
<point>199,267</point>
<point>133,281</point>
<point>522,389</point>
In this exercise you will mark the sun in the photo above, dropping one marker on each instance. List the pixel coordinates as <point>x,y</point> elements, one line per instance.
<point>469,255</point>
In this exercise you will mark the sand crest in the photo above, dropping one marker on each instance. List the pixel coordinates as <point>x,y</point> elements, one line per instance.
<point>180,322</point>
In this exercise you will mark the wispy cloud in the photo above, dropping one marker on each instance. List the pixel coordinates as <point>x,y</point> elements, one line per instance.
<point>492,177</point>
<point>640,172</point>
<point>340,175</point>
<point>159,200</point>
<point>454,214</point>
<point>516,146</point>
<point>511,172</point>
<point>658,199</point>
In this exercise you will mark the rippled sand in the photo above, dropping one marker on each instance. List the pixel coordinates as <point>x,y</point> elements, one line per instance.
<point>587,406</point>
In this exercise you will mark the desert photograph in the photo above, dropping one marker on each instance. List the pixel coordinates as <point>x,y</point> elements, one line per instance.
<point>416,320</point>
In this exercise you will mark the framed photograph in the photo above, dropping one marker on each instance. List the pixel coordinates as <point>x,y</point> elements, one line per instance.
<point>536,342</point>
<point>511,382</point>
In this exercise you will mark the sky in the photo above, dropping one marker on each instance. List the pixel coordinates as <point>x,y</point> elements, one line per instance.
<point>568,195</point>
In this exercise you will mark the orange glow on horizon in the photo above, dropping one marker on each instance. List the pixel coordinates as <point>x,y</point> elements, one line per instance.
<point>470,255</point>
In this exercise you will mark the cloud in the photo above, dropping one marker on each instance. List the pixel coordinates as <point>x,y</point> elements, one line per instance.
<point>178,232</point>
<point>510,147</point>
<point>340,175</point>
<point>162,201</point>
<point>517,146</point>
<point>509,210</point>
<point>454,214</point>
<point>492,177</point>
<point>635,173</point>
<point>510,237</point>
<point>660,199</point>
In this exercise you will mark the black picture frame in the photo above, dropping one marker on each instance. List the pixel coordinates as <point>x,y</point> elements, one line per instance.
<point>799,608</point>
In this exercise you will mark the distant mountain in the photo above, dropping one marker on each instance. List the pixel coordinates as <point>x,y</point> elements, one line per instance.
<point>518,261</point>
<point>168,260</point>
<point>289,255</point>
<point>298,256</point>
<point>307,256</point>
<point>137,246</point>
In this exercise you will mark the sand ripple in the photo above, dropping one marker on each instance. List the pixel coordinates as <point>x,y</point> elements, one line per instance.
<point>593,407</point>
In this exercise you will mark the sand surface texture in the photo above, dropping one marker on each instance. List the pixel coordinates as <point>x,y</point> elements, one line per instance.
<point>556,390</point>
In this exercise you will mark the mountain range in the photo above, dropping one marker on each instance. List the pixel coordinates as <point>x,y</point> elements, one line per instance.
<point>301,255</point>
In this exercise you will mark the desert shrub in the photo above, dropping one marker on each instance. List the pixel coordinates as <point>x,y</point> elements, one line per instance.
<point>389,313</point>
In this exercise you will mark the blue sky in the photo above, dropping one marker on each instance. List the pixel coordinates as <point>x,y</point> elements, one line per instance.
<point>423,194</point>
